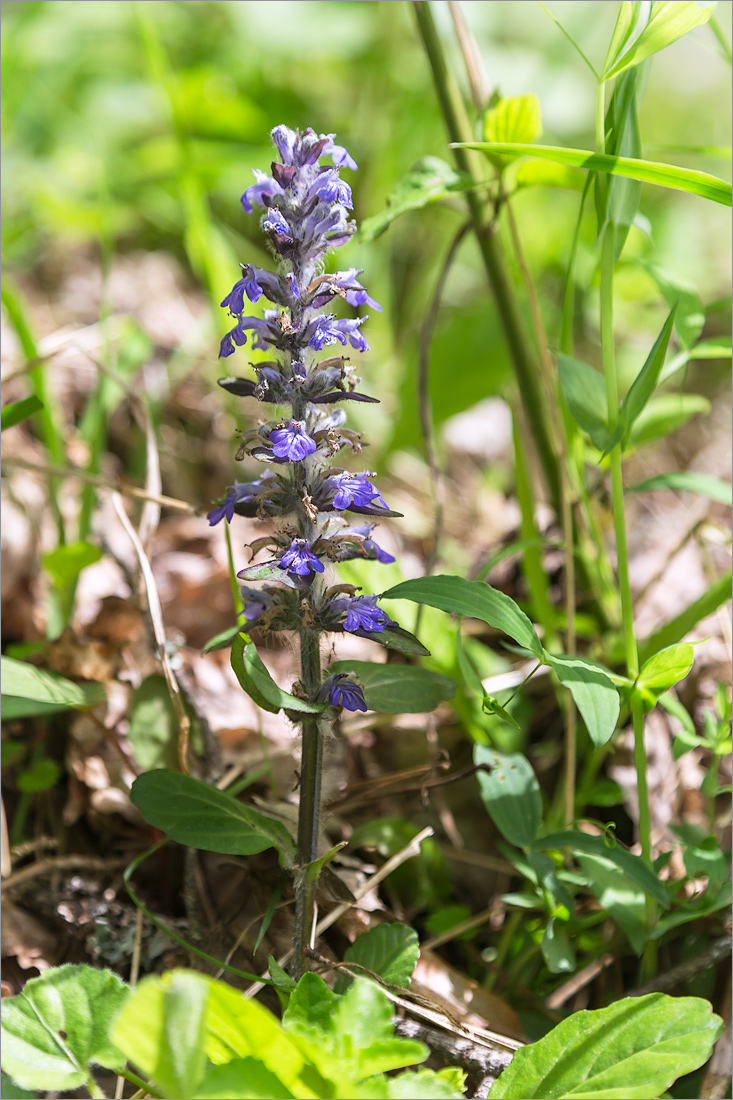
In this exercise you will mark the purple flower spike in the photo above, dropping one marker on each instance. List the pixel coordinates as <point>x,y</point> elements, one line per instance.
<point>363,614</point>
<point>343,692</point>
<point>356,489</point>
<point>330,188</point>
<point>300,559</point>
<point>292,442</point>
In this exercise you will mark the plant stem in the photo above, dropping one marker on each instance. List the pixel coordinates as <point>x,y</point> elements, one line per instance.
<point>309,814</point>
<point>525,367</point>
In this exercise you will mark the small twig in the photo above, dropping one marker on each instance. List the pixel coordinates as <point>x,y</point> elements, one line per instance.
<point>458,929</point>
<point>685,971</point>
<point>408,852</point>
<point>6,864</point>
<point>60,863</point>
<point>99,483</point>
<point>156,617</point>
<point>472,1056</point>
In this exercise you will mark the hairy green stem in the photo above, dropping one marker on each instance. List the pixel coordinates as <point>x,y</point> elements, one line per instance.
<point>525,366</point>
<point>309,814</point>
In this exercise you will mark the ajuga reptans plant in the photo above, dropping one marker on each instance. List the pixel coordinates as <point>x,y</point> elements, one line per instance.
<point>324,513</point>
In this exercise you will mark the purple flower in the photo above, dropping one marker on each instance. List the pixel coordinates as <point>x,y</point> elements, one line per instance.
<point>356,489</point>
<point>293,286</point>
<point>356,294</point>
<point>349,327</point>
<point>255,602</point>
<point>300,559</point>
<point>235,493</point>
<point>275,223</point>
<point>324,333</point>
<point>237,336</point>
<point>341,691</point>
<point>262,192</point>
<point>339,156</point>
<point>292,442</point>
<point>248,285</point>
<point>284,140</point>
<point>362,613</point>
<point>328,187</point>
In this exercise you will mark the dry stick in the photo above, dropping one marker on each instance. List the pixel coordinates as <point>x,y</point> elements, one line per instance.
<point>690,968</point>
<point>477,78</point>
<point>569,988</point>
<point>156,617</point>
<point>6,863</point>
<point>61,863</point>
<point>408,852</point>
<point>99,482</point>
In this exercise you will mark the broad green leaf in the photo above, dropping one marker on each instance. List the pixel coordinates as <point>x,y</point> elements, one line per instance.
<point>633,866</point>
<point>686,481</point>
<point>222,640</point>
<point>153,725</point>
<point>259,685</point>
<point>557,950</point>
<point>245,1078</point>
<point>65,563</point>
<point>690,313</point>
<point>663,670</point>
<point>585,393</point>
<point>57,1028</point>
<point>41,775</point>
<point>646,171</point>
<point>162,1029</point>
<point>349,1037</point>
<point>511,794</point>
<point>11,706</point>
<point>475,599</point>
<point>28,682</point>
<point>398,689</point>
<point>425,1084</point>
<point>643,386</point>
<point>595,696</point>
<point>664,413</point>
<point>668,22</point>
<point>514,118</point>
<point>267,571</point>
<point>622,898</point>
<point>543,173</point>
<point>429,181</point>
<point>390,950</point>
<point>634,1048</point>
<point>10,1091</point>
<point>18,411</point>
<point>199,816</point>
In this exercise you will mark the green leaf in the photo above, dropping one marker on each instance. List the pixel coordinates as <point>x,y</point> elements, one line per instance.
<point>10,1091</point>
<point>664,414</point>
<point>676,629</point>
<point>664,669</point>
<point>595,696</point>
<point>585,393</point>
<point>510,793</point>
<point>222,640</point>
<point>633,866</point>
<point>474,599</point>
<point>65,563</point>
<point>626,22</point>
<point>162,1029</point>
<point>11,706</point>
<point>557,950</point>
<point>490,705</point>
<point>424,1084</point>
<point>398,639</point>
<point>686,481</point>
<point>153,724</point>
<point>19,410</point>
<point>647,171</point>
<point>199,816</point>
<point>242,1077</point>
<point>635,1048</point>
<point>667,22</point>
<point>398,689</point>
<point>390,950</point>
<point>643,386</point>
<point>617,198</point>
<point>429,181</point>
<point>28,682</point>
<point>717,348</point>
<point>58,1027</point>
<point>349,1037</point>
<point>40,776</point>
<point>690,314</point>
<point>622,898</point>
<point>259,685</point>
<point>514,118</point>
<point>267,571</point>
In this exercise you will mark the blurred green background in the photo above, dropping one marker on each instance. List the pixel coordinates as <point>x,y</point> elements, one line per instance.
<point>135,125</point>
